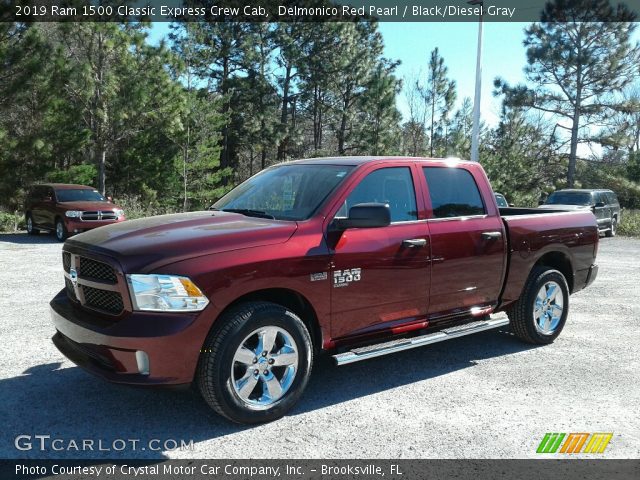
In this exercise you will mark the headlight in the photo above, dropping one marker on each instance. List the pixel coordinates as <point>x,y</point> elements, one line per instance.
<point>73,213</point>
<point>165,293</point>
<point>119,213</point>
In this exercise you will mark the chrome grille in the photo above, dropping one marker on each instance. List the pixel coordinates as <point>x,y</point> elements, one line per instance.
<point>96,270</point>
<point>71,293</point>
<point>97,215</point>
<point>110,302</point>
<point>93,284</point>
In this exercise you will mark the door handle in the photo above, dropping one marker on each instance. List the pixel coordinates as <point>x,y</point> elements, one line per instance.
<point>414,242</point>
<point>491,235</point>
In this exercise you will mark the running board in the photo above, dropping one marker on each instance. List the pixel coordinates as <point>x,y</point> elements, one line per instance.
<point>377,350</point>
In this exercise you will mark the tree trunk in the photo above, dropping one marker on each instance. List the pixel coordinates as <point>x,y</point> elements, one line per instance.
<point>342,133</point>
<point>101,154</point>
<point>433,113</point>
<point>224,89</point>
<point>574,148</point>
<point>571,173</point>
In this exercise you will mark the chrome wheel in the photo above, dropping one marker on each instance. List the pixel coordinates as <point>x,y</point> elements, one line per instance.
<point>614,224</point>
<point>548,308</point>
<point>264,367</point>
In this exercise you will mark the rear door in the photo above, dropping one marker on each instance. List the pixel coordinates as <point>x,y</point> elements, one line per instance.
<point>468,247</point>
<point>380,276</point>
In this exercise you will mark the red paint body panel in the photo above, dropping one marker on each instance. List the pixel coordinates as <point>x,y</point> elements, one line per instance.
<point>457,274</point>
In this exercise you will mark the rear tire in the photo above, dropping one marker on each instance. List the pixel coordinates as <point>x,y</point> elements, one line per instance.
<point>539,315</point>
<point>61,231</point>
<point>30,228</point>
<point>255,337</point>
<point>613,227</point>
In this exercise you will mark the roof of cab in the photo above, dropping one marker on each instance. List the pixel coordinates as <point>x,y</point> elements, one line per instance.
<point>584,190</point>
<point>354,161</point>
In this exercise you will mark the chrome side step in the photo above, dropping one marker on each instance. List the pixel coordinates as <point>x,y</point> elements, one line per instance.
<point>377,350</point>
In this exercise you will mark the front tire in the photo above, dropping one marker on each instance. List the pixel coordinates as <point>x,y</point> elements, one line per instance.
<point>31,230</point>
<point>613,227</point>
<point>60,231</point>
<point>539,315</point>
<point>255,363</point>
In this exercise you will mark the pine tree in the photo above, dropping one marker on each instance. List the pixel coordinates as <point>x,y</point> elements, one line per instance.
<point>439,95</point>
<point>578,54</point>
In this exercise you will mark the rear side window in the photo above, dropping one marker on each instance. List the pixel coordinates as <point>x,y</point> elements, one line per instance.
<point>611,197</point>
<point>393,186</point>
<point>453,192</point>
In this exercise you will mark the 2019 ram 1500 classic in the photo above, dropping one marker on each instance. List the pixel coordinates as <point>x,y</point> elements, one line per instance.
<point>357,257</point>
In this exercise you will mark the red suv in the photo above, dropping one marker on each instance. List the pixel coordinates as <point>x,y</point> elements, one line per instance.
<point>67,209</point>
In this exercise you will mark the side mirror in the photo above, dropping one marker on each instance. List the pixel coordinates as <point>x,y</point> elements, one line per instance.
<point>513,205</point>
<point>110,199</point>
<point>540,202</point>
<point>599,204</point>
<point>365,215</point>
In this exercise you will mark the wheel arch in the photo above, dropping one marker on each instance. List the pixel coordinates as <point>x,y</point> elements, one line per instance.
<point>558,261</point>
<point>290,299</point>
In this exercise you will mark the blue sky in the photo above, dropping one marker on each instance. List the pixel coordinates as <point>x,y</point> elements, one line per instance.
<point>412,43</point>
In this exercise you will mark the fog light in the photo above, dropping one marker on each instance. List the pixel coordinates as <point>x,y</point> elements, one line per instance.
<point>142,359</point>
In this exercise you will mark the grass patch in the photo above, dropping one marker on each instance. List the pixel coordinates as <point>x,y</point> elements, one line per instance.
<point>630,225</point>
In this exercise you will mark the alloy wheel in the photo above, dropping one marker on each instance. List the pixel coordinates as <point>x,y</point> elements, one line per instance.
<point>548,308</point>
<point>264,367</point>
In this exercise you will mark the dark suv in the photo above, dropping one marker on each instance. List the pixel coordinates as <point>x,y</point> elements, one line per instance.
<point>603,203</point>
<point>66,209</point>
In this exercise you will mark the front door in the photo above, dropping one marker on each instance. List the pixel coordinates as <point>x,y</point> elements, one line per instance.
<point>380,276</point>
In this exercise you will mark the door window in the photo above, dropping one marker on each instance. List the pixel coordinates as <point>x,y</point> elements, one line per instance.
<point>392,186</point>
<point>453,192</point>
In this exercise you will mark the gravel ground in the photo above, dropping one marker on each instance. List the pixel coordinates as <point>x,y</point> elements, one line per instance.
<point>483,396</point>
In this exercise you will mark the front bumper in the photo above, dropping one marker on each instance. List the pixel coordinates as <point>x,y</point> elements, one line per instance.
<point>74,225</point>
<point>140,349</point>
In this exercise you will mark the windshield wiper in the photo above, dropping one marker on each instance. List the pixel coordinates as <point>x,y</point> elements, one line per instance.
<point>250,213</point>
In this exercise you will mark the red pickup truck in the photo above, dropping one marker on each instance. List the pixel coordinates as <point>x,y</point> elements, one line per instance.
<point>356,257</point>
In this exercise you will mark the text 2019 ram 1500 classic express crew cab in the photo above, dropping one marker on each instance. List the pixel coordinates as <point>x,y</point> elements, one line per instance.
<point>357,257</point>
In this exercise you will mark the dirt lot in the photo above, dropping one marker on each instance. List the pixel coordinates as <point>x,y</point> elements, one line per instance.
<point>483,396</point>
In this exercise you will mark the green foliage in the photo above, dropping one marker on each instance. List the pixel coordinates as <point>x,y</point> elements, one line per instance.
<point>630,224</point>
<point>633,167</point>
<point>11,222</point>
<point>519,158</point>
<point>143,205</point>
<point>601,175</point>
<point>80,174</point>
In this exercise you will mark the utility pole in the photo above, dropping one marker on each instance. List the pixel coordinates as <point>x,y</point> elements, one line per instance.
<point>475,132</point>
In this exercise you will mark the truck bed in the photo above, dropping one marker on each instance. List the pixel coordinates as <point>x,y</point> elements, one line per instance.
<point>533,233</point>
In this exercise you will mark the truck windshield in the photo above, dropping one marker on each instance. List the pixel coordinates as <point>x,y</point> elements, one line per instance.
<point>79,195</point>
<point>286,192</point>
<point>569,198</point>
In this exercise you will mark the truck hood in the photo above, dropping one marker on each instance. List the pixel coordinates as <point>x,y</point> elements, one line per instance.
<point>150,242</point>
